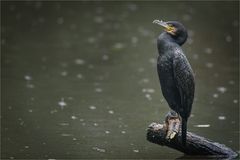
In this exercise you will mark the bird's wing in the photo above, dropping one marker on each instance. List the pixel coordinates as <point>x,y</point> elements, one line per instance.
<point>184,79</point>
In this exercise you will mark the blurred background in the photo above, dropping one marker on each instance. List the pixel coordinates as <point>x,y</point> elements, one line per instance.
<point>79,79</point>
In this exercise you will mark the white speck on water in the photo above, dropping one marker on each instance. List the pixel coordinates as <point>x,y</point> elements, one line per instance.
<point>134,40</point>
<point>26,147</point>
<point>64,124</point>
<point>28,78</point>
<point>148,96</point>
<point>222,89</point>
<point>111,112</point>
<point>66,135</point>
<point>141,70</point>
<point>79,61</point>
<point>95,124</point>
<point>41,19</point>
<point>74,139</point>
<point>118,45</point>
<point>231,82</point>
<point>99,10</point>
<point>30,110</point>
<point>136,150</point>
<point>31,86</point>
<point>107,132</point>
<point>144,32</point>
<point>73,117</point>
<point>9,107</point>
<point>99,149</point>
<point>132,7</point>
<point>144,80</point>
<point>195,56</point>
<point>81,119</point>
<point>64,73</point>
<point>63,64</point>
<point>235,101</point>
<point>190,40</point>
<point>60,20</point>
<point>92,107</point>
<point>187,17</point>
<point>53,111</point>
<point>98,19</point>
<point>209,65</point>
<point>98,90</point>
<point>221,117</point>
<point>73,26</point>
<point>208,50</point>
<point>153,60</point>
<point>18,16</point>
<point>123,132</point>
<point>202,125</point>
<point>148,90</point>
<point>80,76</point>
<point>215,95</point>
<point>62,103</point>
<point>91,40</point>
<point>90,66</point>
<point>235,23</point>
<point>105,57</point>
<point>191,33</point>
<point>3,41</point>
<point>12,7</point>
<point>228,38</point>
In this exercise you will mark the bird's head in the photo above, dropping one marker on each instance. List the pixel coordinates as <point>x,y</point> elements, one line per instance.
<point>175,29</point>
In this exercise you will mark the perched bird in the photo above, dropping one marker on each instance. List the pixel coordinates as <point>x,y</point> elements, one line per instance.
<point>175,72</point>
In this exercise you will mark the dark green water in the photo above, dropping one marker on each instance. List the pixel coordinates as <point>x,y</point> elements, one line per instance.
<point>79,80</point>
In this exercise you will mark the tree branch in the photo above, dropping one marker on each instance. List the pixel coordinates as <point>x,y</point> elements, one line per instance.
<point>169,134</point>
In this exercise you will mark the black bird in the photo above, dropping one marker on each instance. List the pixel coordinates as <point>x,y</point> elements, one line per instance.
<point>175,72</point>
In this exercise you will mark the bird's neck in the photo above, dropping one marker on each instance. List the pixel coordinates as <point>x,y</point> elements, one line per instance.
<point>165,41</point>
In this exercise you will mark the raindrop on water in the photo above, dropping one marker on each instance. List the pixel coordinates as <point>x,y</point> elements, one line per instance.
<point>202,125</point>
<point>215,95</point>
<point>64,73</point>
<point>235,101</point>
<point>27,77</point>
<point>209,65</point>
<point>73,117</point>
<point>228,38</point>
<point>222,89</point>
<point>62,103</point>
<point>80,76</point>
<point>221,117</point>
<point>60,20</point>
<point>92,107</point>
<point>79,61</point>
<point>105,57</point>
<point>111,112</point>
<point>98,90</point>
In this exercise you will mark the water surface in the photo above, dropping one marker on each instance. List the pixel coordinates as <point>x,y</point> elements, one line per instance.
<point>79,79</point>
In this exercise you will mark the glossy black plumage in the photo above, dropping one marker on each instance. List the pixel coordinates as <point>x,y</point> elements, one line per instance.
<point>175,73</point>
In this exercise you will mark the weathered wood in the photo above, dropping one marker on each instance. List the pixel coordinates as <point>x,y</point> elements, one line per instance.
<point>169,134</point>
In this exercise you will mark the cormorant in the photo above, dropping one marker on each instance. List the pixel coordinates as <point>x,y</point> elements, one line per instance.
<point>175,73</point>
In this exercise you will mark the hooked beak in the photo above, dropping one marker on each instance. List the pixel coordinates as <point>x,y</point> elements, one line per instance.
<point>168,28</point>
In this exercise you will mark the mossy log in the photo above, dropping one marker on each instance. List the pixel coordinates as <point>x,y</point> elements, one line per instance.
<point>169,134</point>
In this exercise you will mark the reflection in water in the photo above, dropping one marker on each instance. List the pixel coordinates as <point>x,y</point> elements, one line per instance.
<point>79,78</point>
